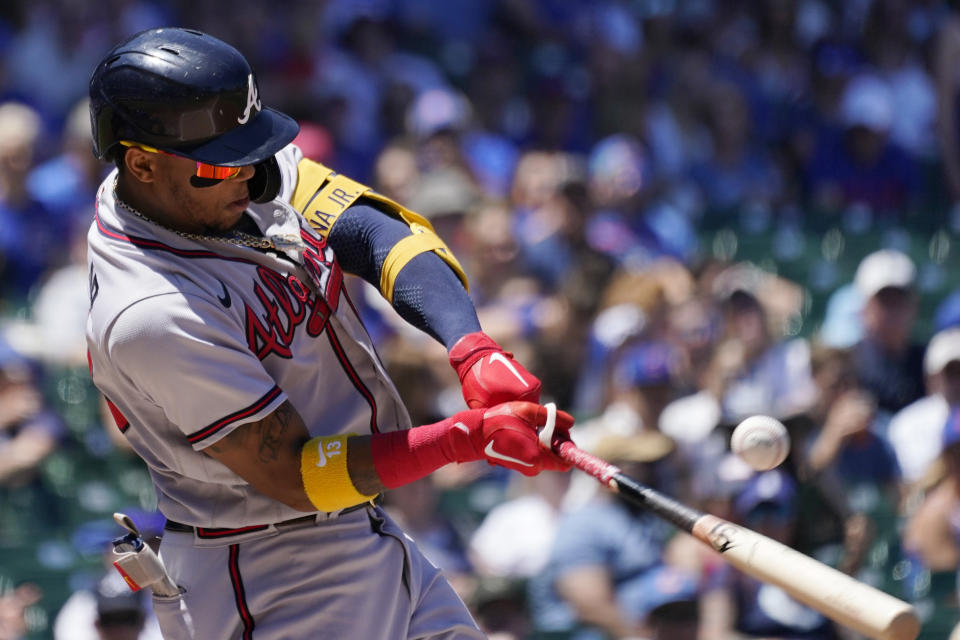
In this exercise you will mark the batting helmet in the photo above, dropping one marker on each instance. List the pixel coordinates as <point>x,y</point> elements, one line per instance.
<point>186,92</point>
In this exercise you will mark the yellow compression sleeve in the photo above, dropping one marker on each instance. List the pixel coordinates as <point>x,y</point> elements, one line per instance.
<point>326,479</point>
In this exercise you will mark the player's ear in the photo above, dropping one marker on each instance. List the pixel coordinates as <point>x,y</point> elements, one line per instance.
<point>140,164</point>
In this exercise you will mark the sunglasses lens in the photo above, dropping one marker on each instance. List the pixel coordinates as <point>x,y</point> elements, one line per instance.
<point>214,172</point>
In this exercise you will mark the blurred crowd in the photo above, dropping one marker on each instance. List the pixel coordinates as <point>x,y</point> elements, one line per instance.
<point>676,213</point>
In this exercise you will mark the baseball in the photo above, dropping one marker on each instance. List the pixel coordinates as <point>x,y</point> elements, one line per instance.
<point>761,441</point>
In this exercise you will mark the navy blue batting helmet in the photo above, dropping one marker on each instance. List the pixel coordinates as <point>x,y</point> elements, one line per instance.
<point>187,92</point>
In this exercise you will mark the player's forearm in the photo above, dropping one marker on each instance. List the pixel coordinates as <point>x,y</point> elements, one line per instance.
<point>506,435</point>
<point>345,470</point>
<point>425,291</point>
<point>277,456</point>
<point>430,297</point>
<point>383,461</point>
<point>267,454</point>
<point>360,464</point>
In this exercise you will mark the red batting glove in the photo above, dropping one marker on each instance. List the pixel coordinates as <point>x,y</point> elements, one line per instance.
<point>489,375</point>
<point>504,435</point>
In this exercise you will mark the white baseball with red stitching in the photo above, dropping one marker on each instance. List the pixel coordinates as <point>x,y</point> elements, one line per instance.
<point>761,441</point>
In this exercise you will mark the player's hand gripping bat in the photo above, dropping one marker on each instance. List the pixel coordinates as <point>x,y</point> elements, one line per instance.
<point>836,595</point>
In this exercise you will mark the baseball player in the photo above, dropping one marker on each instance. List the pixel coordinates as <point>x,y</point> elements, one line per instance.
<point>236,365</point>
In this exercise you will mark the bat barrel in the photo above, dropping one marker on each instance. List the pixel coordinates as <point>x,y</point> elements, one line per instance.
<point>838,596</point>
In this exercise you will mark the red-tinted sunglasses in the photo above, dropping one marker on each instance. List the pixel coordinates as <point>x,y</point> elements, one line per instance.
<point>204,170</point>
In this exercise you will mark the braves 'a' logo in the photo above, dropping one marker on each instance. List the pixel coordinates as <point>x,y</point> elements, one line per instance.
<point>253,100</point>
<point>287,302</point>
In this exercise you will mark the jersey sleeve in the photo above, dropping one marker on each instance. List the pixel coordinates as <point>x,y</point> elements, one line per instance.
<point>288,160</point>
<point>187,356</point>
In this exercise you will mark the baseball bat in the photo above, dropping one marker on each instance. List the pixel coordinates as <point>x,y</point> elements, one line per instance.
<point>852,603</point>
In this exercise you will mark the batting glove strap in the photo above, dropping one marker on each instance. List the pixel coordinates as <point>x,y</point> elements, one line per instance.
<point>489,375</point>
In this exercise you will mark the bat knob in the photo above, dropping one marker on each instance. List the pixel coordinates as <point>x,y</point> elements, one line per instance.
<point>126,522</point>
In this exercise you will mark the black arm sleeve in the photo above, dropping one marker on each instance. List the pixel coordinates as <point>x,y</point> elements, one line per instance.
<point>427,292</point>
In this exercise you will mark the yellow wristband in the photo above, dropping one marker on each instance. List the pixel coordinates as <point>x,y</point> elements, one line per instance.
<point>323,467</point>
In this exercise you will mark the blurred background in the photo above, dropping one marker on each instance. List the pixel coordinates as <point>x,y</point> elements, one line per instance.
<point>675,213</point>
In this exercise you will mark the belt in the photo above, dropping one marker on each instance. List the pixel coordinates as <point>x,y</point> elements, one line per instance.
<point>213,533</point>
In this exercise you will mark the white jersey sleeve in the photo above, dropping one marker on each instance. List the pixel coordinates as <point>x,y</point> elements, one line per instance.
<point>205,380</point>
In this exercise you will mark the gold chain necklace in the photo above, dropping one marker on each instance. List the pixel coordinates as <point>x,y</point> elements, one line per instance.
<point>279,242</point>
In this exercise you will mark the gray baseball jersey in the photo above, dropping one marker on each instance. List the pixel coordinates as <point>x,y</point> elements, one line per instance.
<point>189,339</point>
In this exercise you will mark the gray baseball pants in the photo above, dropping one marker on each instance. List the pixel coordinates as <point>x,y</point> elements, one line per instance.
<point>356,576</point>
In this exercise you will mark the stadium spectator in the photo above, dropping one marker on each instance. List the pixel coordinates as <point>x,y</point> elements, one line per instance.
<point>915,430</point>
<point>740,173</point>
<point>888,363</point>
<point>892,48</point>
<point>108,611</point>
<point>28,245</point>
<point>827,524</point>
<point>66,184</point>
<point>598,578</point>
<point>52,329</point>
<point>29,430</point>
<point>752,368</point>
<point>360,63</point>
<point>859,164</point>
<point>632,307</point>
<point>515,537</point>
<point>854,475</point>
<point>634,221</point>
<point>849,446</point>
<point>642,379</point>
<point>931,539</point>
<point>932,530</point>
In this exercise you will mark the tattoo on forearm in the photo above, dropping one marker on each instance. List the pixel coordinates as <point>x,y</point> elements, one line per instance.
<point>269,436</point>
<point>236,439</point>
<point>271,431</point>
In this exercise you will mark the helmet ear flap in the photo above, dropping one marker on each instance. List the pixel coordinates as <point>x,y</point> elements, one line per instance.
<point>265,184</point>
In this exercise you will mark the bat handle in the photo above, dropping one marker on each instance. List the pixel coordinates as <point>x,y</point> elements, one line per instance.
<point>570,453</point>
<point>610,475</point>
<point>589,464</point>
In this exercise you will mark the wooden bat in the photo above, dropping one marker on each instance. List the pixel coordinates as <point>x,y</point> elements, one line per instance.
<point>852,603</point>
